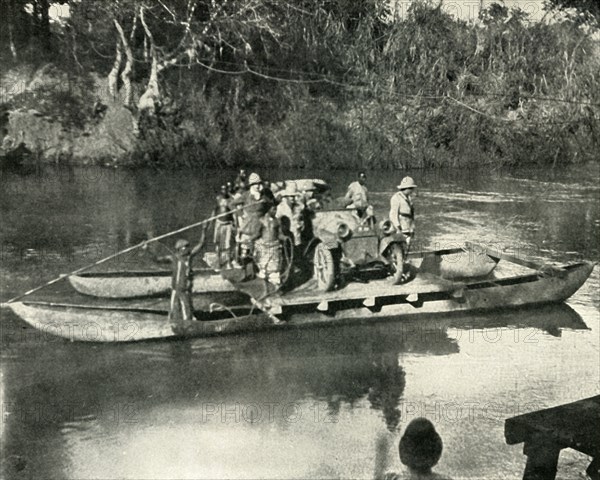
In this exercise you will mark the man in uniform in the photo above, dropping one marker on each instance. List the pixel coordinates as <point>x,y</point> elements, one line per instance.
<point>402,210</point>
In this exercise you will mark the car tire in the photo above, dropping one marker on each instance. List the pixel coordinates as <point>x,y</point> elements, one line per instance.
<point>324,268</point>
<point>397,263</point>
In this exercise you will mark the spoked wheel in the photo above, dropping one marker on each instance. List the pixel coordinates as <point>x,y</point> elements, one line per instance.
<point>324,268</point>
<point>397,264</point>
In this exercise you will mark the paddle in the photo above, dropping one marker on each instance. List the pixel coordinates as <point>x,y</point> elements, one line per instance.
<point>127,250</point>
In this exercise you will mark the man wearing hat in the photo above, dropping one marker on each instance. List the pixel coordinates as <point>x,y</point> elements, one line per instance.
<point>402,214</point>
<point>255,206</point>
<point>402,210</point>
<point>285,209</point>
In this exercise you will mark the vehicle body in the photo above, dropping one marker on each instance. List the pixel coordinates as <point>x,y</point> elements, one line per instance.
<point>344,242</point>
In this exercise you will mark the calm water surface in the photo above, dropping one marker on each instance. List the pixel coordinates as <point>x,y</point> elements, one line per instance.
<point>325,403</point>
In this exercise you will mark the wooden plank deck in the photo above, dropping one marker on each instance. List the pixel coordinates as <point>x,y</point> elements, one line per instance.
<point>308,293</point>
<point>422,283</point>
<point>430,267</point>
<point>546,432</point>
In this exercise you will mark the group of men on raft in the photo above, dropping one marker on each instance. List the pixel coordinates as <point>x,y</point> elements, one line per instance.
<point>253,219</point>
<point>260,217</point>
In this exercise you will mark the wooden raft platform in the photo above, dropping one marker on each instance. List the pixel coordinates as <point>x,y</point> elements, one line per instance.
<point>367,292</point>
<point>546,432</point>
<point>308,294</point>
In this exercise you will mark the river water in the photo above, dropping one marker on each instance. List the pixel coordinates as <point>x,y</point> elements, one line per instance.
<point>324,403</point>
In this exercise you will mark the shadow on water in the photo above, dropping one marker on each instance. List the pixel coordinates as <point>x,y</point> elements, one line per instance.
<point>54,389</point>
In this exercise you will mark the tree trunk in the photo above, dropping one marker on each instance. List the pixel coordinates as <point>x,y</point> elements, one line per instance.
<point>149,99</point>
<point>127,70</point>
<point>11,36</point>
<point>13,49</point>
<point>45,24</point>
<point>113,76</point>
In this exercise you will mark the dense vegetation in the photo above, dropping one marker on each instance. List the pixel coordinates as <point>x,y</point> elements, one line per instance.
<point>335,83</point>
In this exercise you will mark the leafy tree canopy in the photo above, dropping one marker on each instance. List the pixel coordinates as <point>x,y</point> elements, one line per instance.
<point>587,7</point>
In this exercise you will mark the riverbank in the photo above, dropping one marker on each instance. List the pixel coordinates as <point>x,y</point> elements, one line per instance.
<point>424,91</point>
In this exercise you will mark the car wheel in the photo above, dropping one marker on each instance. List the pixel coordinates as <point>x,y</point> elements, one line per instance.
<point>324,268</point>
<point>397,264</point>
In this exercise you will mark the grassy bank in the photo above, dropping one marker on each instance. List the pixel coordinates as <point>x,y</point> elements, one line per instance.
<point>425,91</point>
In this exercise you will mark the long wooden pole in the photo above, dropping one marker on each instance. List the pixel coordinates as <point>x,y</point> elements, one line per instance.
<point>127,250</point>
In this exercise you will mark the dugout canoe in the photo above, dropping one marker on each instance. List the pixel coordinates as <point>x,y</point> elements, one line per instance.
<point>150,283</point>
<point>426,295</point>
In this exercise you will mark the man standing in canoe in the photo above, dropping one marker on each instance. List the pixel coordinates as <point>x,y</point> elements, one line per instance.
<point>181,309</point>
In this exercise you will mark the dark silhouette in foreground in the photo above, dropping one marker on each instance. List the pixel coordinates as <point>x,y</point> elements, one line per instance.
<point>420,450</point>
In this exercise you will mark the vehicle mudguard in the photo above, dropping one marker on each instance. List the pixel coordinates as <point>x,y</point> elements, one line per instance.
<point>388,240</point>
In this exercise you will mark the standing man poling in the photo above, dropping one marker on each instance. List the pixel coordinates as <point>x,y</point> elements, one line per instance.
<point>181,310</point>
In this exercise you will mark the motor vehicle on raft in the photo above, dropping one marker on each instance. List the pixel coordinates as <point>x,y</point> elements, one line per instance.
<point>346,244</point>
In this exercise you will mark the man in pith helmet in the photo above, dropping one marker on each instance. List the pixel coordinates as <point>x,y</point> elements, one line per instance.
<point>402,215</point>
<point>255,206</point>
<point>402,210</point>
<point>285,211</point>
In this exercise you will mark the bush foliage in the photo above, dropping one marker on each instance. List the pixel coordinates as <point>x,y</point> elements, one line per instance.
<point>344,84</point>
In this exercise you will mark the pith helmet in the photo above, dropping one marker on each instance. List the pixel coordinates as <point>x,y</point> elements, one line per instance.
<point>254,179</point>
<point>181,243</point>
<point>407,182</point>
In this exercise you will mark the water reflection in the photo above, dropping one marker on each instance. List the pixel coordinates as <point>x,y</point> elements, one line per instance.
<point>78,400</point>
